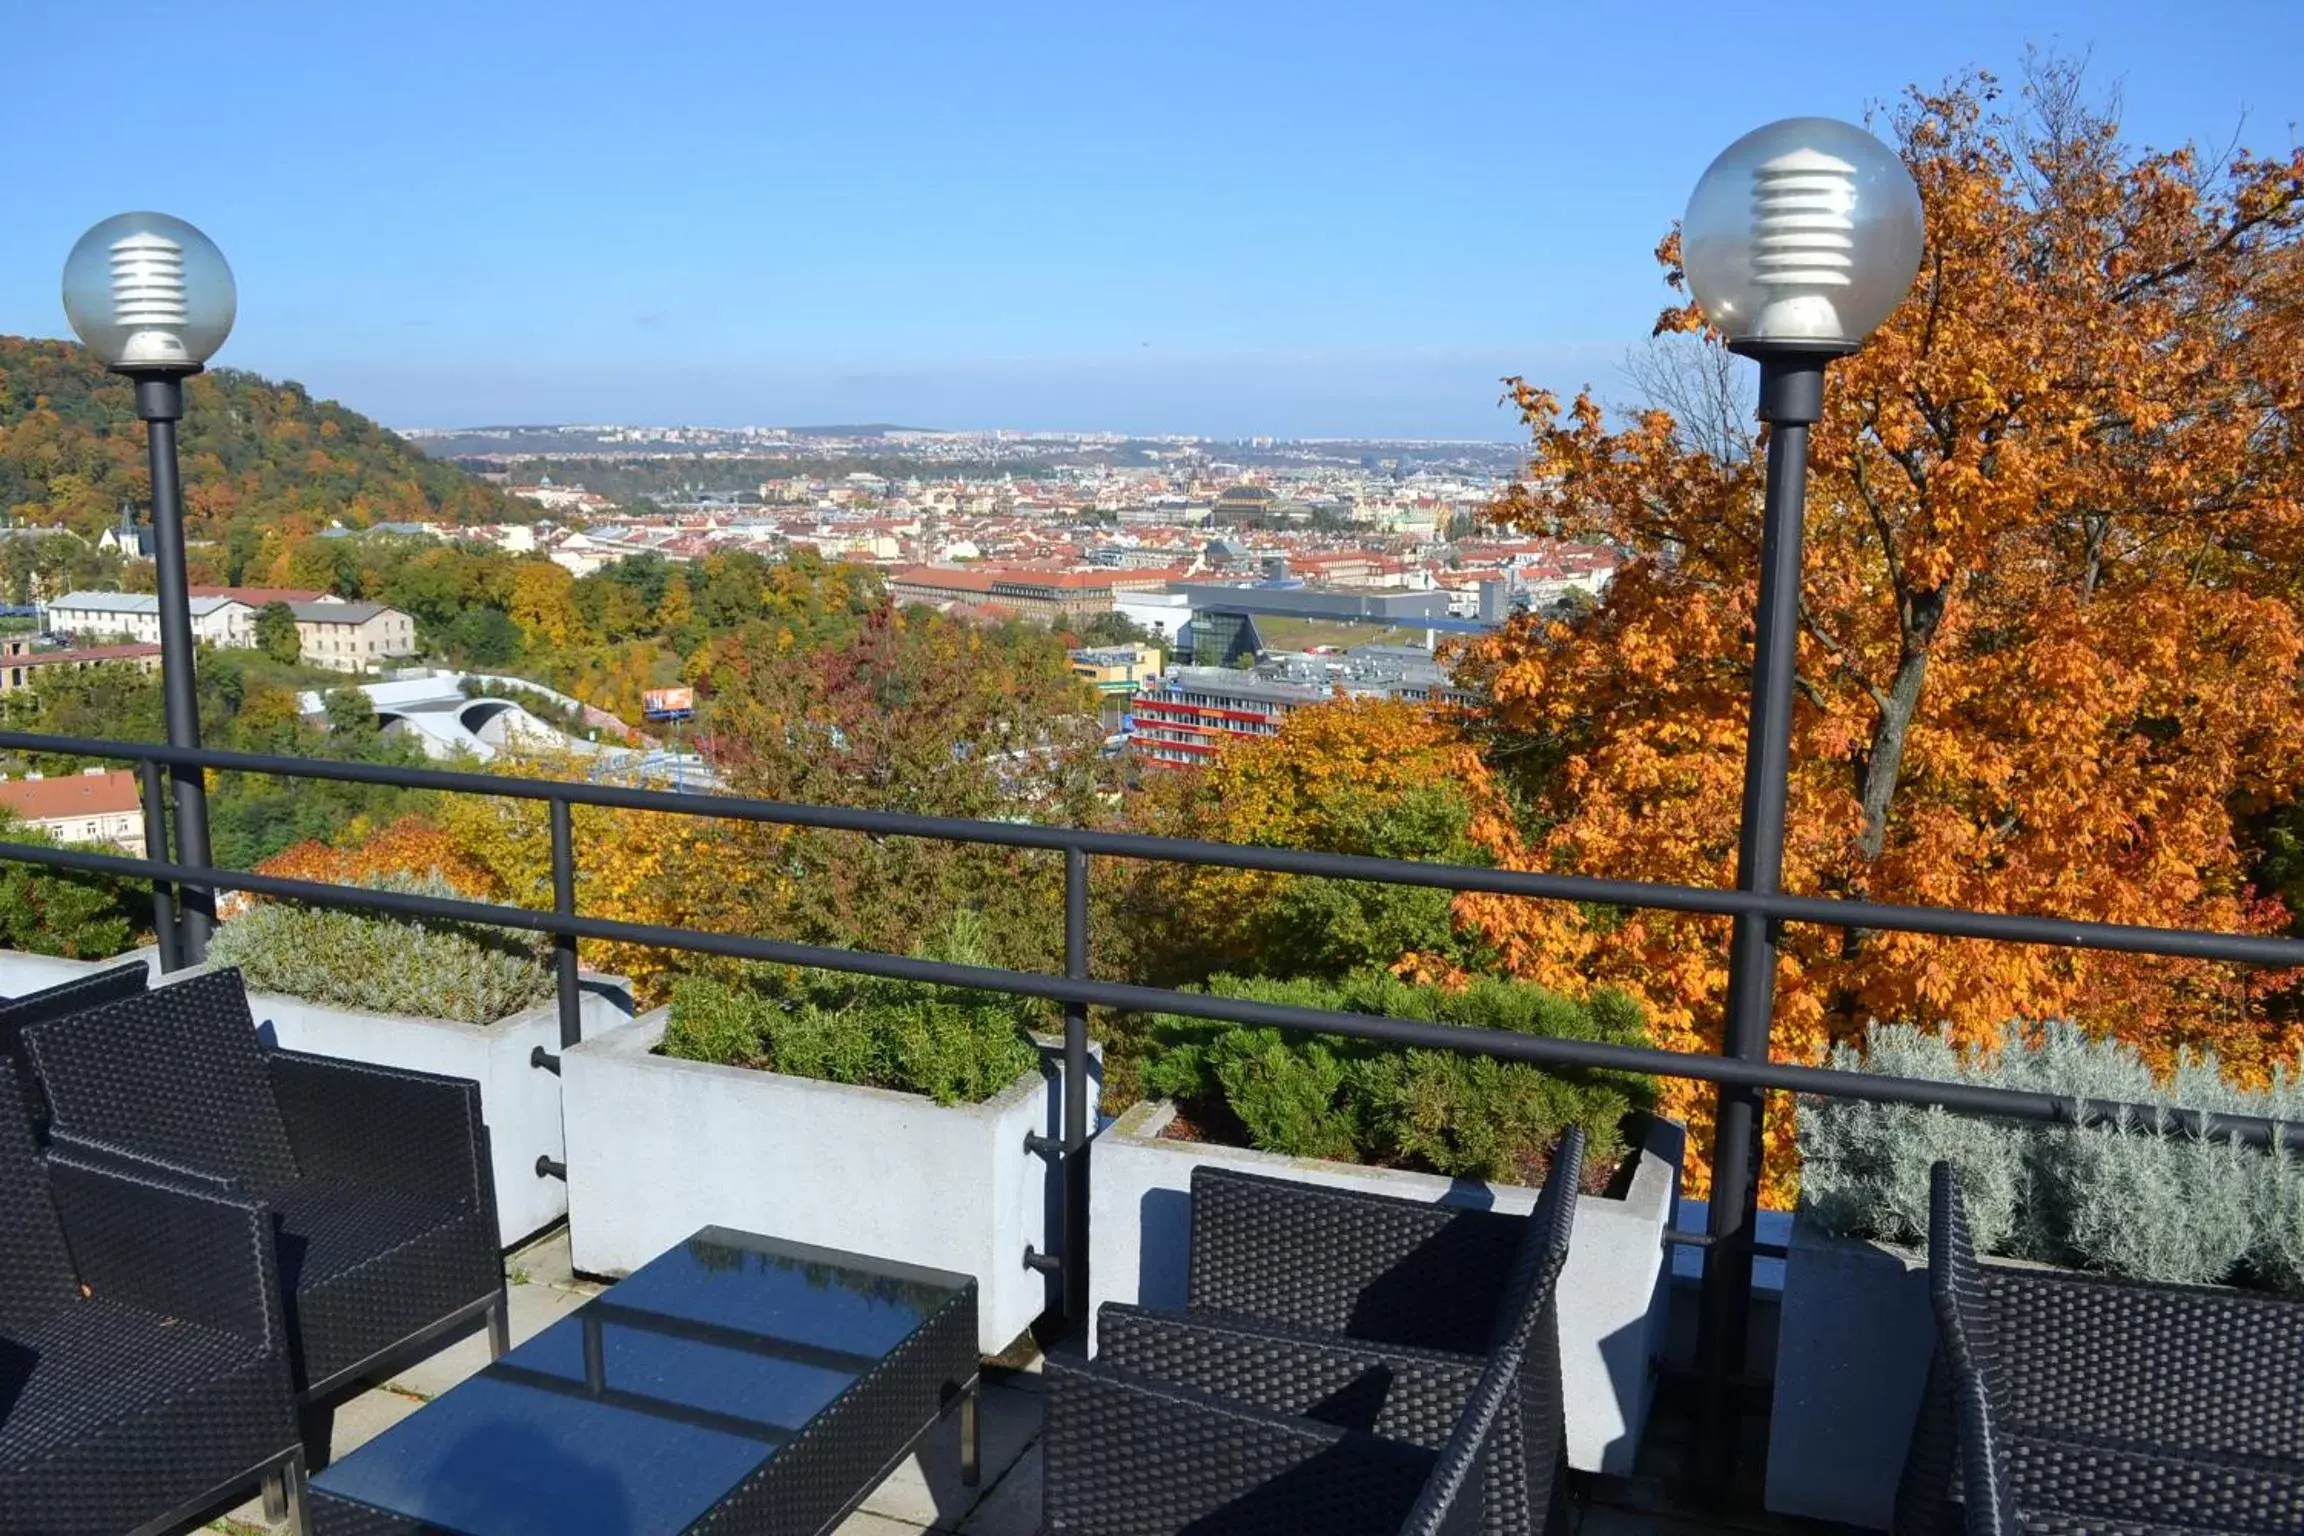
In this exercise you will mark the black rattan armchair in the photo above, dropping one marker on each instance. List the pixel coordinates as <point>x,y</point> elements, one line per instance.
<point>1229,1421</point>
<point>2062,1402</point>
<point>60,1001</point>
<point>143,1355</point>
<point>378,1179</point>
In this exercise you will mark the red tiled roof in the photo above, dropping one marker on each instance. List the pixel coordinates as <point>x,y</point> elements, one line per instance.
<point>982,613</point>
<point>84,655</point>
<point>982,577</point>
<point>81,794</point>
<point>257,597</point>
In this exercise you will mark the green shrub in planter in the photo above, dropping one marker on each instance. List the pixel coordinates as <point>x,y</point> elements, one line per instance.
<point>954,1045</point>
<point>415,966</point>
<point>1358,1101</point>
<point>2149,1203</point>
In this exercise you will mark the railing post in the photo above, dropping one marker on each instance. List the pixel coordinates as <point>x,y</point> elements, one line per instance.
<point>1075,1167</point>
<point>164,934</point>
<point>1791,398</point>
<point>564,944</point>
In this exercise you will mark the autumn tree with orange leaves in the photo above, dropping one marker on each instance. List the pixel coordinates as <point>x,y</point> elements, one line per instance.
<point>407,845</point>
<point>2050,618</point>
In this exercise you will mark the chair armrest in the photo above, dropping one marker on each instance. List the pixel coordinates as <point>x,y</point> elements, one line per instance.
<point>2119,1362</point>
<point>1343,1261</point>
<point>383,1127</point>
<point>96,1152</point>
<point>204,1255</point>
<point>1130,1457</point>
<point>1403,1394</point>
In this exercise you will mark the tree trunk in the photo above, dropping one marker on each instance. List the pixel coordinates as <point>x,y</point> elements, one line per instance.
<point>2098,526</point>
<point>1882,767</point>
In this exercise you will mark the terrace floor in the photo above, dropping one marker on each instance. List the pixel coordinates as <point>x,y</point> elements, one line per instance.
<point>926,1494</point>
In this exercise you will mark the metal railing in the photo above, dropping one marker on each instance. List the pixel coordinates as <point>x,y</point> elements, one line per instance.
<point>176,886</point>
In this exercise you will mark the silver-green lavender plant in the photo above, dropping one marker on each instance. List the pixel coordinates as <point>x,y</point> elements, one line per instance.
<point>2148,1201</point>
<point>416,966</point>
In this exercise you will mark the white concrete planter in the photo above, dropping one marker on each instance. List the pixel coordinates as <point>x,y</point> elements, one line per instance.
<point>1612,1294</point>
<point>658,1147</point>
<point>520,1102</point>
<point>1852,1347</point>
<point>21,972</point>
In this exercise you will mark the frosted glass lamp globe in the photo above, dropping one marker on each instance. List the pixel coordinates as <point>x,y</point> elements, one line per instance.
<point>1802,235</point>
<point>148,292</point>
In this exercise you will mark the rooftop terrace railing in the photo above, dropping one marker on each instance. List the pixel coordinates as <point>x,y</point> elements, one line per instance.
<point>1727,1264</point>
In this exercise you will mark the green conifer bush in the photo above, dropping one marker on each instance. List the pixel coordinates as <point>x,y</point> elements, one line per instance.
<point>955,1045</point>
<point>1359,1101</point>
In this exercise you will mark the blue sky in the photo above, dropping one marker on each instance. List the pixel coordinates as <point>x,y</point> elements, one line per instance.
<point>1246,216</point>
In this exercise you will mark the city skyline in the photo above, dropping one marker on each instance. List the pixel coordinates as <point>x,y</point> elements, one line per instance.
<point>1222,221</point>
<point>428,430</point>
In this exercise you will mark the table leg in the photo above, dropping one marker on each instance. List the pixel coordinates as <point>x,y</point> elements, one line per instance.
<point>971,1441</point>
<point>284,1496</point>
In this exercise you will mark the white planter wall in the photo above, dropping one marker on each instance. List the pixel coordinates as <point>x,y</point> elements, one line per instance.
<point>21,973</point>
<point>1612,1293</point>
<point>658,1147</point>
<point>1852,1347</point>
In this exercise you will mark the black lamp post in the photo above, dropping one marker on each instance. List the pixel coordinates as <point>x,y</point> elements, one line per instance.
<point>152,298</point>
<point>1799,240</point>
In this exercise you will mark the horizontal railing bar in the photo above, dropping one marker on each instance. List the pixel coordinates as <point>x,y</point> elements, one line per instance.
<point>1467,1040</point>
<point>1677,1237</point>
<point>2069,933</point>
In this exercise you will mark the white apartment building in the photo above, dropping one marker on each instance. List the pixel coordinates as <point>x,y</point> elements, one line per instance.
<point>344,637</point>
<point>135,616</point>
<point>352,637</point>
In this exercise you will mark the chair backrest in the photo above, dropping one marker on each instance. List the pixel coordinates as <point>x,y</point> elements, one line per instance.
<point>36,1275</point>
<point>1374,1267</point>
<point>56,1002</point>
<point>175,1073</point>
<point>1970,1336</point>
<point>2093,1357</point>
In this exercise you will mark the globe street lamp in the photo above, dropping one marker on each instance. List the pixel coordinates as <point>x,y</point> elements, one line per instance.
<point>1799,240</point>
<point>153,299</point>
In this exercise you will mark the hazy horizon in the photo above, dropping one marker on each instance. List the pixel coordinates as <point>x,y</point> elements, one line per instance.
<point>1304,398</point>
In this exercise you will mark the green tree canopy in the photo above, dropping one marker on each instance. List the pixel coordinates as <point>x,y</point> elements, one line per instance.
<point>276,634</point>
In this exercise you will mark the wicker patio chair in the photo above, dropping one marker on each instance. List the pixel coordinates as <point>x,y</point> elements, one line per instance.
<point>1230,1423</point>
<point>56,1002</point>
<point>143,1355</point>
<point>378,1179</point>
<point>2067,1403</point>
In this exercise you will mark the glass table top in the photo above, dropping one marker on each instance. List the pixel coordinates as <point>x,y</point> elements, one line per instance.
<point>645,1407</point>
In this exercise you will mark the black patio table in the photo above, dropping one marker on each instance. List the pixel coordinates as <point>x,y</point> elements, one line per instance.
<point>735,1384</point>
